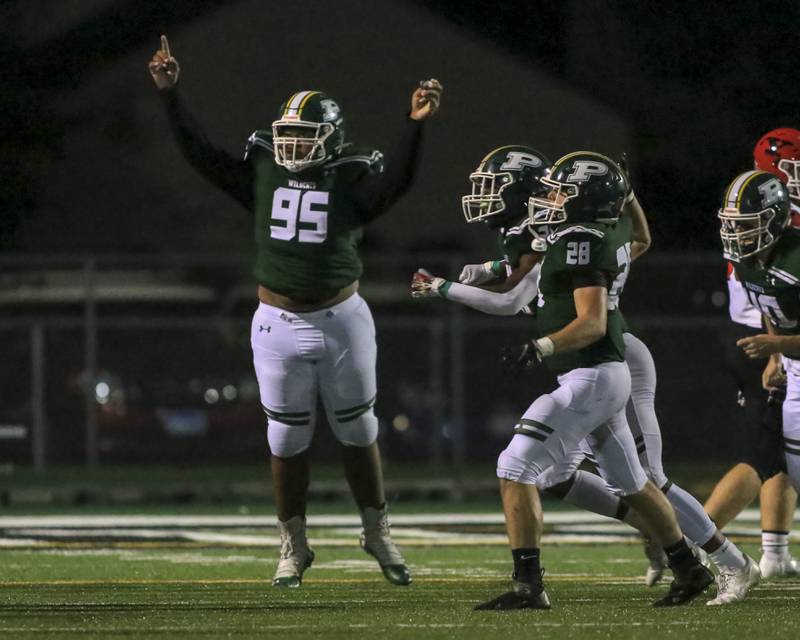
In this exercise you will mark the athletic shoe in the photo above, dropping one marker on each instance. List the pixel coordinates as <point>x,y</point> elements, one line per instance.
<point>778,566</point>
<point>733,586</point>
<point>376,540</point>
<point>686,588</point>
<point>296,556</point>
<point>523,595</point>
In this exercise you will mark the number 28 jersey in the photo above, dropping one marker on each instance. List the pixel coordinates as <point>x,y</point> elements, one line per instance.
<point>774,288</point>
<point>577,255</point>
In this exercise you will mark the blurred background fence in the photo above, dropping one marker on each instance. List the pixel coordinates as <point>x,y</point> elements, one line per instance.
<point>142,360</point>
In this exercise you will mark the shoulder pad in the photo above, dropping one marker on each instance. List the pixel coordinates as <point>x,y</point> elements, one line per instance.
<point>555,236</point>
<point>786,265</point>
<point>260,138</point>
<point>361,160</point>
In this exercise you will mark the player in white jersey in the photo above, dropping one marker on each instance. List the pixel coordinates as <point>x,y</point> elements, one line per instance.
<point>737,571</point>
<point>762,470</point>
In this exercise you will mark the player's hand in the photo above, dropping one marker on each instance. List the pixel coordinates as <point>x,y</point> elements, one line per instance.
<point>516,360</point>
<point>476,274</point>
<point>163,67</point>
<point>426,99</point>
<point>773,377</point>
<point>426,285</point>
<point>760,346</point>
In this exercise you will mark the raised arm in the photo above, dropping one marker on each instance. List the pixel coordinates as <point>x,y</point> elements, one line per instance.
<point>640,230</point>
<point>375,194</point>
<point>232,175</point>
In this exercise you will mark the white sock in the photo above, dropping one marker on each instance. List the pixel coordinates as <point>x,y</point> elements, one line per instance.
<point>589,492</point>
<point>692,519</point>
<point>728,557</point>
<point>775,543</point>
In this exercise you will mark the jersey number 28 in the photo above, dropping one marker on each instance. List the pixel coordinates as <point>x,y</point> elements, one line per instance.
<point>298,208</point>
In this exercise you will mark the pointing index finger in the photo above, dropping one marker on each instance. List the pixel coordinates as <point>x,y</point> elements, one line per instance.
<point>165,46</point>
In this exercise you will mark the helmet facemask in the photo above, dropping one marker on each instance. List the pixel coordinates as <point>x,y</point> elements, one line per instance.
<point>486,199</point>
<point>746,234</point>
<point>791,169</point>
<point>551,209</point>
<point>297,153</point>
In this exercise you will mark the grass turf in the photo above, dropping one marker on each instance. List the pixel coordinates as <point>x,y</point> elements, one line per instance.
<point>217,593</point>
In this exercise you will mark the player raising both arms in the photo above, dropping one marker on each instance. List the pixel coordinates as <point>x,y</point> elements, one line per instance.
<point>312,334</point>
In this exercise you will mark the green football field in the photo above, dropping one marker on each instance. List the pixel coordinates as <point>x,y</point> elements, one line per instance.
<point>209,576</point>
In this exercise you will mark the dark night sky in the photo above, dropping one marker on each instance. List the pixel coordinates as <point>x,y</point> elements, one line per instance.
<point>697,83</point>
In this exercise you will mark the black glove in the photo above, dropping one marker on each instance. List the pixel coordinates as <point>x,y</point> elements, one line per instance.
<point>514,360</point>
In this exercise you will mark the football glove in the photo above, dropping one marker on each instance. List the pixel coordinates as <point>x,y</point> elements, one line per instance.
<point>476,274</point>
<point>515,360</point>
<point>425,285</point>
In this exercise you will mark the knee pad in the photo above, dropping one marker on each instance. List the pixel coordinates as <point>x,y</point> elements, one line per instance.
<point>360,431</point>
<point>286,441</point>
<point>511,466</point>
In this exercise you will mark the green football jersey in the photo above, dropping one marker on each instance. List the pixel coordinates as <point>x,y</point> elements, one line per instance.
<point>774,287</point>
<point>573,250</point>
<point>620,237</point>
<point>307,226</point>
<point>514,242</point>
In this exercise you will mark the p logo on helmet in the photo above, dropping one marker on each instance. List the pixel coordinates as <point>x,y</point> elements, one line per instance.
<point>583,170</point>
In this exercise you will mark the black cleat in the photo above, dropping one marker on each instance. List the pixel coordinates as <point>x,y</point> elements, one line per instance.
<point>686,588</point>
<point>522,596</point>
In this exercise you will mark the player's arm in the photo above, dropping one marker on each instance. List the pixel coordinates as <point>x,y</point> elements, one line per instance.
<point>232,175</point>
<point>507,303</point>
<point>377,192</point>
<point>640,230</point>
<point>526,262</point>
<point>770,345</point>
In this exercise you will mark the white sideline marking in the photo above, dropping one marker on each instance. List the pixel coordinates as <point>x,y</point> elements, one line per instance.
<point>432,519</point>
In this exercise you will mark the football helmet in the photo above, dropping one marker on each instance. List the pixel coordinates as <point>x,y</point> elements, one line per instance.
<point>308,132</point>
<point>778,151</point>
<point>582,187</point>
<point>755,211</point>
<point>502,184</point>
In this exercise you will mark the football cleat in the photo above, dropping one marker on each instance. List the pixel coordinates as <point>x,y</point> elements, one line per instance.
<point>376,540</point>
<point>773,566</point>
<point>687,588</point>
<point>733,586</point>
<point>658,563</point>
<point>523,595</point>
<point>296,556</point>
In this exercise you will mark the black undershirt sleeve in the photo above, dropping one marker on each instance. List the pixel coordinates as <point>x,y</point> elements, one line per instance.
<point>232,175</point>
<point>594,278</point>
<point>376,193</point>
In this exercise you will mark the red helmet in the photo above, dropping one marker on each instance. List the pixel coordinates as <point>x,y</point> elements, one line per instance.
<point>778,151</point>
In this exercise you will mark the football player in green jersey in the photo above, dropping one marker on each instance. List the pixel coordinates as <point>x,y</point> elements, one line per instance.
<point>629,238</point>
<point>755,234</point>
<point>312,334</point>
<point>583,344</point>
<point>760,472</point>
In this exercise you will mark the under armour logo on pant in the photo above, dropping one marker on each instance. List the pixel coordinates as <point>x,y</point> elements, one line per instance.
<point>261,328</point>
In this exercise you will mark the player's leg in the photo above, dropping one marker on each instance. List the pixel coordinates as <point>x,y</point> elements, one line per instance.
<point>778,504</point>
<point>550,429</point>
<point>348,388</point>
<point>791,423</point>
<point>734,492</point>
<point>616,454</point>
<point>737,570</point>
<point>287,385</point>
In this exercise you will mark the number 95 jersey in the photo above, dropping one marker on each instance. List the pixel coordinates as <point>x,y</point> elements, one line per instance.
<point>774,287</point>
<point>308,225</point>
<point>579,255</point>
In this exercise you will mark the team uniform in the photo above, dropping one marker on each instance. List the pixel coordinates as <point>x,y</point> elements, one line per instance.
<point>307,227</point>
<point>774,288</point>
<point>764,447</point>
